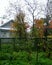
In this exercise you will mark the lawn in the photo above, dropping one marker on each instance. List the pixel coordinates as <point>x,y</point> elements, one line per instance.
<point>8,56</point>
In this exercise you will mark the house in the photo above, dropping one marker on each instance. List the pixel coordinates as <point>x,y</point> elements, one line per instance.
<point>5,30</point>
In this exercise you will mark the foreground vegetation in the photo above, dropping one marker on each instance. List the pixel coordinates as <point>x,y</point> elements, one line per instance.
<point>22,57</point>
<point>26,51</point>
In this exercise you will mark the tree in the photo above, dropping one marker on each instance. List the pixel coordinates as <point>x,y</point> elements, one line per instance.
<point>32,7</point>
<point>19,25</point>
<point>19,30</point>
<point>39,23</point>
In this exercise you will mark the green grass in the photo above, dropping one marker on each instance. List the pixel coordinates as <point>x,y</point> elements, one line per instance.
<point>10,57</point>
<point>23,58</point>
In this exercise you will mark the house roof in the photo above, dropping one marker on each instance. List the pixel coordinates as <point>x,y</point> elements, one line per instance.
<point>6,23</point>
<point>2,27</point>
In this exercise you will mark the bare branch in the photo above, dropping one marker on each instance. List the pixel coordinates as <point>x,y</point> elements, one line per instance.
<point>28,4</point>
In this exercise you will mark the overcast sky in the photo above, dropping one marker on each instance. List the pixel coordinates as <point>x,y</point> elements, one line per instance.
<point>4,4</point>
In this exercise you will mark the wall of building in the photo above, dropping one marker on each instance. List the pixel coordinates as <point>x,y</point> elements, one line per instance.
<point>5,34</point>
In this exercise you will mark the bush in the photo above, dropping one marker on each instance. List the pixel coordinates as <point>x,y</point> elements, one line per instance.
<point>23,58</point>
<point>5,56</point>
<point>21,55</point>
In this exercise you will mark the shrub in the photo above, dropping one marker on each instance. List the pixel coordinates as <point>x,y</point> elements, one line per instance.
<point>5,56</point>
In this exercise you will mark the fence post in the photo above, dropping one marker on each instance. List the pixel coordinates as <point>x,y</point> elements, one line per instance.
<point>0,43</point>
<point>14,43</point>
<point>36,41</point>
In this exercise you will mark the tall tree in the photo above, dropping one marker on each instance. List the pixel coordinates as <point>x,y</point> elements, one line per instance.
<point>38,28</point>
<point>19,29</point>
<point>19,25</point>
<point>32,7</point>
